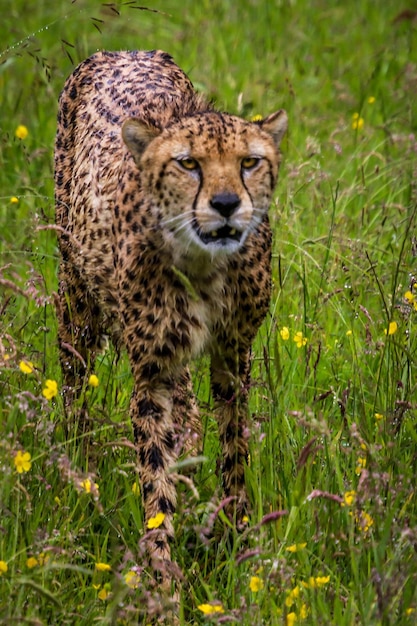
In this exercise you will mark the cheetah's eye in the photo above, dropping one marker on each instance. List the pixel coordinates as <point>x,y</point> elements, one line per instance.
<point>188,163</point>
<point>249,163</point>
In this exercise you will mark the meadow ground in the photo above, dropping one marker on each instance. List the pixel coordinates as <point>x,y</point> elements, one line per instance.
<point>333,531</point>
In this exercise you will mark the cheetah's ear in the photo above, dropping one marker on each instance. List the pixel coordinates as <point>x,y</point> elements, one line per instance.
<point>276,125</point>
<point>137,136</point>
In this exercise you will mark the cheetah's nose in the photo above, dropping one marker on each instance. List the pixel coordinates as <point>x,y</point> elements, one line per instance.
<point>225,203</point>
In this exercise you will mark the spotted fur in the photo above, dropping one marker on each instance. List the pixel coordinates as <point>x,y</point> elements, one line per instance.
<point>161,204</point>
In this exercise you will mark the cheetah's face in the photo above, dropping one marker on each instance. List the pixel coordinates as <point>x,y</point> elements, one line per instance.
<point>210,176</point>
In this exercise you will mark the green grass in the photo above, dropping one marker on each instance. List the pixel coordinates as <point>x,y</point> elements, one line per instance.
<point>344,256</point>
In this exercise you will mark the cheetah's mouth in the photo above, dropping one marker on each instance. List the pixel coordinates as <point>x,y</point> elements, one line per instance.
<point>221,235</point>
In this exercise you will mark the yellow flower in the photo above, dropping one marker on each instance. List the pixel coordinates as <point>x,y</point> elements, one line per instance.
<point>371,99</point>
<point>300,340</point>
<point>357,121</point>
<point>3,567</point>
<point>132,579</point>
<point>41,559</point>
<point>315,583</point>
<point>360,465</point>
<point>292,596</point>
<point>245,519</point>
<point>256,584</point>
<point>21,132</point>
<point>210,609</point>
<point>410,611</point>
<point>50,390</point>
<point>26,367</point>
<point>349,333</point>
<point>296,547</point>
<point>303,611</point>
<point>88,486</point>
<point>135,489</point>
<point>349,498</point>
<point>155,522</point>
<point>392,328</point>
<point>285,333</point>
<point>14,200</point>
<point>103,567</point>
<point>104,592</point>
<point>93,381</point>
<point>256,118</point>
<point>291,618</point>
<point>364,521</point>
<point>379,416</point>
<point>22,461</point>
<point>409,296</point>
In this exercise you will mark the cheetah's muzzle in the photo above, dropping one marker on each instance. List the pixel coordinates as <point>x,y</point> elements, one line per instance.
<point>222,236</point>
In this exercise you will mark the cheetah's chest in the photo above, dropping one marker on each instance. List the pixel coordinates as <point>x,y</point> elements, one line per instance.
<point>209,309</point>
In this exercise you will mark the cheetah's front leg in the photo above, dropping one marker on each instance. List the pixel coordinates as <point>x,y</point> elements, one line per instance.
<point>154,431</point>
<point>230,383</point>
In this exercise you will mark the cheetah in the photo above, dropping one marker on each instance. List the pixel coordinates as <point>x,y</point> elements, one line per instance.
<point>165,246</point>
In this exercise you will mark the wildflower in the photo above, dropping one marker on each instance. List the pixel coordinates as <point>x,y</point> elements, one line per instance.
<point>93,381</point>
<point>50,390</point>
<point>392,328</point>
<point>349,498</point>
<point>291,618</point>
<point>411,299</point>
<point>14,200</point>
<point>256,118</point>
<point>155,522</point>
<point>371,99</point>
<point>210,609</point>
<point>410,610</point>
<point>3,567</point>
<point>88,485</point>
<point>103,567</point>
<point>315,583</point>
<point>135,489</point>
<point>22,461</point>
<point>357,121</point>
<point>26,367</point>
<point>296,547</point>
<point>245,519</point>
<point>379,416</point>
<point>349,333</point>
<point>41,559</point>
<point>21,132</point>
<point>256,584</point>
<point>303,611</point>
<point>360,465</point>
<point>300,340</point>
<point>285,333</point>
<point>132,579</point>
<point>364,521</point>
<point>104,592</point>
<point>292,596</point>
